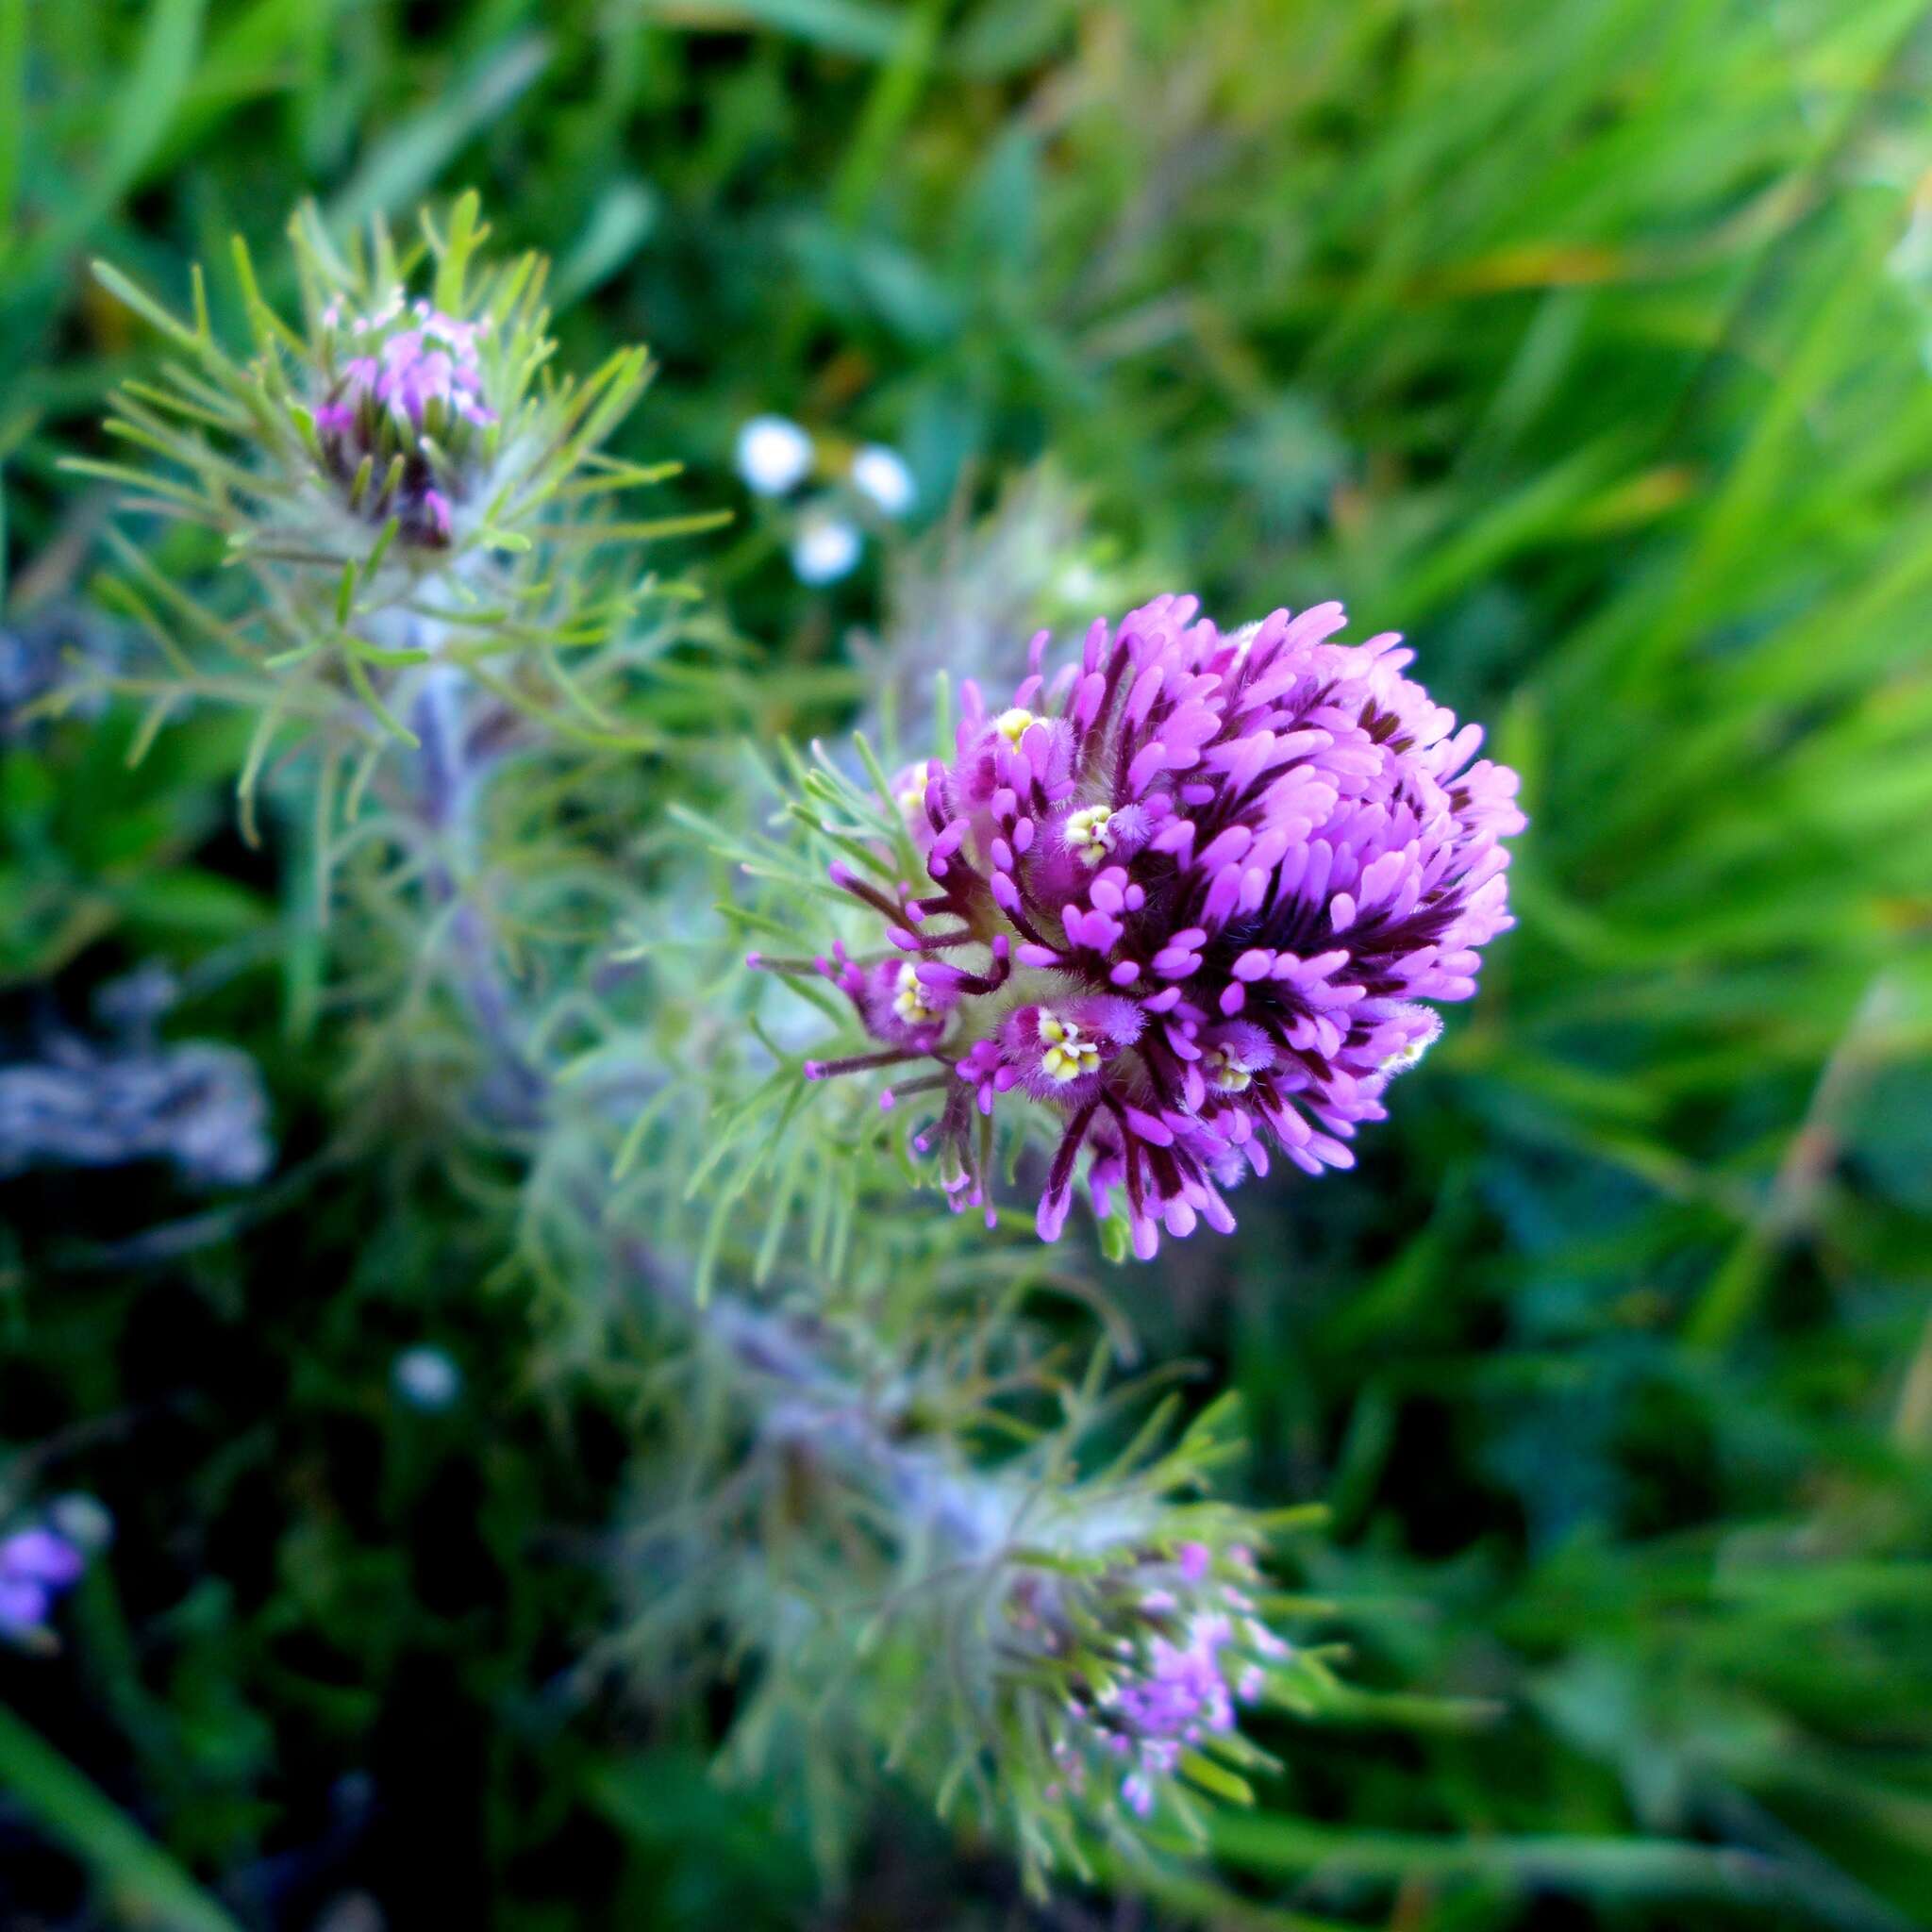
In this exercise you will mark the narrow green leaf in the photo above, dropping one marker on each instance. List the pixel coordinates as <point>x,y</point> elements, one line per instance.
<point>845,26</point>
<point>158,713</point>
<point>132,295</point>
<point>12,112</point>
<point>271,331</point>
<point>452,267</point>
<point>619,223</point>
<point>366,692</point>
<point>405,165</point>
<point>262,737</point>
<point>130,1866</point>
<point>1201,1770</point>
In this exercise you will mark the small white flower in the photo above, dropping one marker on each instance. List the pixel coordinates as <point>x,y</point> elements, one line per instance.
<point>427,1378</point>
<point>824,549</point>
<point>880,474</point>
<point>774,455</point>
<point>83,1520</point>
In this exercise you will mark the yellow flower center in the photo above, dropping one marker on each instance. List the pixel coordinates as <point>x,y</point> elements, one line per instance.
<point>909,1001</point>
<point>1223,1073</point>
<point>1086,835</point>
<point>1012,725</point>
<point>1067,1054</point>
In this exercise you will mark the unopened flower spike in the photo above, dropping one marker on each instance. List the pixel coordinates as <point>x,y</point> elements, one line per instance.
<point>1188,899</point>
<point>403,474</point>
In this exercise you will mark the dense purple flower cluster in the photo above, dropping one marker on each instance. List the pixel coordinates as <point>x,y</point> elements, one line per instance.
<point>413,372</point>
<point>1191,896</point>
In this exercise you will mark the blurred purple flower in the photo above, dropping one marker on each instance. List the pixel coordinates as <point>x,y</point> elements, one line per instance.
<point>196,1103</point>
<point>1189,897</point>
<point>36,1567</point>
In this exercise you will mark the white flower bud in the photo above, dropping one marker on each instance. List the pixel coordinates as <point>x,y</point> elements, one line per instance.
<point>427,1378</point>
<point>774,455</point>
<point>825,550</point>
<point>880,474</point>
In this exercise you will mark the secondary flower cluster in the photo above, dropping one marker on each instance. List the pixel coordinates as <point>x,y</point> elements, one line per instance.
<point>1188,899</point>
<point>1154,1655</point>
<point>403,453</point>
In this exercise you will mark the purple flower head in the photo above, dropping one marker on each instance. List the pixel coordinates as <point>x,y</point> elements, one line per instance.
<point>1189,896</point>
<point>405,383</point>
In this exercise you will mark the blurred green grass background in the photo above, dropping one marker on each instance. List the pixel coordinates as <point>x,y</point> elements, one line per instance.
<point>1587,342</point>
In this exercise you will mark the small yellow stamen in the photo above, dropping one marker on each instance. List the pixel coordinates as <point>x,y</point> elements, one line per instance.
<point>1220,1069</point>
<point>1068,1055</point>
<point>1012,725</point>
<point>1086,835</point>
<point>908,1002</point>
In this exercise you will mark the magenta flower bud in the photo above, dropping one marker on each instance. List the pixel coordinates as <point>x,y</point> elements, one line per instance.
<point>387,381</point>
<point>422,363</point>
<point>1190,903</point>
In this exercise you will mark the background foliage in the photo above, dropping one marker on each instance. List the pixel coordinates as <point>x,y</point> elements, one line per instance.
<point>1585,342</point>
